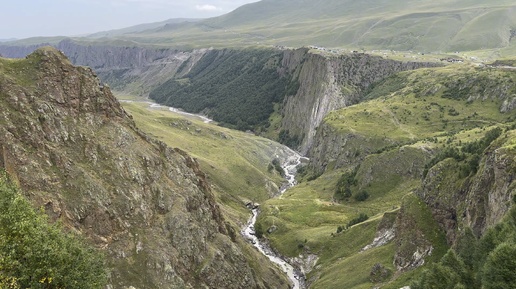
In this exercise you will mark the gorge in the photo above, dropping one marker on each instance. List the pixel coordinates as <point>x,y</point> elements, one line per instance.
<point>406,164</point>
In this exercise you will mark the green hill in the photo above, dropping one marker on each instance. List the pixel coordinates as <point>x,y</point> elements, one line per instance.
<point>399,25</point>
<point>424,26</point>
<point>405,161</point>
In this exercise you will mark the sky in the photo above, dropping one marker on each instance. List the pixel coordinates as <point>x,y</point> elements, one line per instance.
<point>30,18</point>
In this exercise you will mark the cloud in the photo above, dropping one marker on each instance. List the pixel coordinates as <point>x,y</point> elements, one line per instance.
<point>207,7</point>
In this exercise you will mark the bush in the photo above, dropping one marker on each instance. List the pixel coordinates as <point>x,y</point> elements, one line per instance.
<point>277,166</point>
<point>34,254</point>
<point>361,218</point>
<point>343,187</point>
<point>361,196</point>
<point>258,230</point>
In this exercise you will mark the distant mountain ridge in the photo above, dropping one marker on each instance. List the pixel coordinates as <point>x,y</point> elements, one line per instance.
<point>142,27</point>
<point>424,26</point>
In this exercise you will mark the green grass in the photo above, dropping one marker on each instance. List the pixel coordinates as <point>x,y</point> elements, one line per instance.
<point>406,119</point>
<point>419,110</point>
<point>437,26</point>
<point>235,162</point>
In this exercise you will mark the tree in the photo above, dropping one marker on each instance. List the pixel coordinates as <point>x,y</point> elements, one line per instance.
<point>361,196</point>
<point>500,268</point>
<point>437,277</point>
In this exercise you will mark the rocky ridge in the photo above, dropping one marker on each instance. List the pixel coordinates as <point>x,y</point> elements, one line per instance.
<point>477,202</point>
<point>325,82</point>
<point>127,69</point>
<point>72,148</point>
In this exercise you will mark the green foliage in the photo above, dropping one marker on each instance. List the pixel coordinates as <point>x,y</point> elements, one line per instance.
<point>437,277</point>
<point>237,88</point>
<point>359,219</point>
<point>343,187</point>
<point>288,139</point>
<point>361,196</point>
<point>462,88</point>
<point>469,154</point>
<point>488,263</point>
<point>500,269</point>
<point>34,254</point>
<point>258,230</point>
<point>277,166</point>
<point>386,86</point>
<point>466,247</point>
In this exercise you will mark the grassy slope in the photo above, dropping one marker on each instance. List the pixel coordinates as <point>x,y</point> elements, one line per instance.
<point>416,116</point>
<point>236,162</point>
<point>458,25</point>
<point>399,25</point>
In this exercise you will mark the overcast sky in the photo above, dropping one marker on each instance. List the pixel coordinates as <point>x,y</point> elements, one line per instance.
<point>28,18</point>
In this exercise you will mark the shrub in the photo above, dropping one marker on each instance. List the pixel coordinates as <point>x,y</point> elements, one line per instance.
<point>361,218</point>
<point>361,196</point>
<point>258,230</point>
<point>34,254</point>
<point>277,166</point>
<point>343,187</point>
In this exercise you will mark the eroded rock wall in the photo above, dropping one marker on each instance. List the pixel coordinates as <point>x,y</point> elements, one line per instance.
<point>330,82</point>
<point>478,201</point>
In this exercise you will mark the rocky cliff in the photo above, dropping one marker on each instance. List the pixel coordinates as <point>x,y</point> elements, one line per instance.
<point>314,82</point>
<point>128,69</point>
<point>75,152</point>
<point>330,82</point>
<point>478,201</point>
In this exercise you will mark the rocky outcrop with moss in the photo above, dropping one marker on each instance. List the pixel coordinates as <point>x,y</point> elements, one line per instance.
<point>72,148</point>
<point>477,201</point>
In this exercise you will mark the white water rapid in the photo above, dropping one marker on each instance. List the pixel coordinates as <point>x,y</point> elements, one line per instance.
<point>297,279</point>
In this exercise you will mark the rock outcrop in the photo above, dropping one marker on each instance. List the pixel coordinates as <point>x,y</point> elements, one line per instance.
<point>128,69</point>
<point>478,201</point>
<point>75,152</point>
<point>328,83</point>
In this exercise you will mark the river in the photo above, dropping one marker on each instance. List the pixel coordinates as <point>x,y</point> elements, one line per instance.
<point>172,109</point>
<point>289,165</point>
<point>297,279</point>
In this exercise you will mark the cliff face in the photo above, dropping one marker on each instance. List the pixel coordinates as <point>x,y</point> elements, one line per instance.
<point>317,83</point>
<point>478,201</point>
<point>68,143</point>
<point>134,70</point>
<point>328,83</point>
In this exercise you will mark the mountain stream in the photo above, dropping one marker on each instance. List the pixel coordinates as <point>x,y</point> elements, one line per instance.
<point>289,165</point>
<point>295,276</point>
